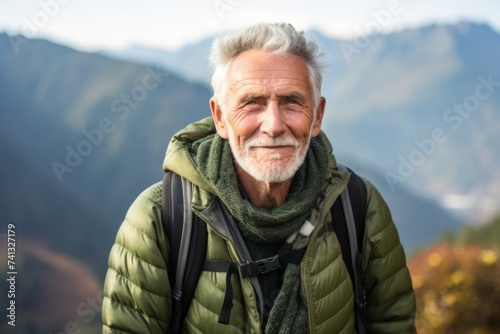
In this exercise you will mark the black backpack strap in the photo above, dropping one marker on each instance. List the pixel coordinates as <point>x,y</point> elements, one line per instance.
<point>249,269</point>
<point>187,236</point>
<point>348,217</point>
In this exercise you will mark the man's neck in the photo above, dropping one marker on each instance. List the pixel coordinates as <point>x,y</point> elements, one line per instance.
<point>263,194</point>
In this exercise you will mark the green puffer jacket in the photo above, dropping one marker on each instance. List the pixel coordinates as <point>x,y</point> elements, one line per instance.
<point>137,294</point>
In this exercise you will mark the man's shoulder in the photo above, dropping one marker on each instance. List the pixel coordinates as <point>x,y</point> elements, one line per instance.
<point>153,193</point>
<point>143,217</point>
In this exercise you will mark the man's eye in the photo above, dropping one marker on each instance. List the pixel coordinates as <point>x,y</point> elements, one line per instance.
<point>252,105</point>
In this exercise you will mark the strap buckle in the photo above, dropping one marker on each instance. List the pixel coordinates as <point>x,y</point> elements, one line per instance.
<point>262,266</point>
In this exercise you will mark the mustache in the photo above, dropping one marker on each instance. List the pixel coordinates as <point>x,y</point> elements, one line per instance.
<point>256,141</point>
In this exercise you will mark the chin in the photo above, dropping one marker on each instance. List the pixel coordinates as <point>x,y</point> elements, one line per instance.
<point>273,175</point>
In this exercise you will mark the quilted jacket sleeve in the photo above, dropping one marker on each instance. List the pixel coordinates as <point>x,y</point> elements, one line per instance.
<point>136,289</point>
<point>389,293</point>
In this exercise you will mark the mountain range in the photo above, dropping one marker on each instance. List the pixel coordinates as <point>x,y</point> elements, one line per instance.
<point>78,143</point>
<point>82,134</point>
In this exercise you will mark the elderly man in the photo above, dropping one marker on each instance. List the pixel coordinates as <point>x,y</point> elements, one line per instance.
<point>262,158</point>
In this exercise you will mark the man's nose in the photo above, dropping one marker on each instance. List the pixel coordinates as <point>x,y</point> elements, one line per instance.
<point>272,120</point>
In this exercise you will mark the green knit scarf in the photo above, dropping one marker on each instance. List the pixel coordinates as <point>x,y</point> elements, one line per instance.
<point>263,229</point>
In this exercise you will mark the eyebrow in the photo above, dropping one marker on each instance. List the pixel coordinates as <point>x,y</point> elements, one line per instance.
<point>293,95</point>
<point>249,97</point>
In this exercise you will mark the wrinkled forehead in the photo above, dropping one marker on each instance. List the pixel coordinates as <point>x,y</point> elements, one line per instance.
<point>257,68</point>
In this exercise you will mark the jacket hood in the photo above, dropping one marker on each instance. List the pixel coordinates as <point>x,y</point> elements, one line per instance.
<point>178,158</point>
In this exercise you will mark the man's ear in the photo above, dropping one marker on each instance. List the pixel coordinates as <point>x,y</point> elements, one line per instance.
<point>219,120</point>
<point>320,111</point>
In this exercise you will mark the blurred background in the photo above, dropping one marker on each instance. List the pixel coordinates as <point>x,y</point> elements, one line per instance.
<point>91,92</point>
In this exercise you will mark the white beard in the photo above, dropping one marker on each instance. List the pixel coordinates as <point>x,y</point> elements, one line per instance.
<point>269,172</point>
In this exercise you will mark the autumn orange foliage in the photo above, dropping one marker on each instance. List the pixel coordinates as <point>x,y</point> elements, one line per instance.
<point>457,289</point>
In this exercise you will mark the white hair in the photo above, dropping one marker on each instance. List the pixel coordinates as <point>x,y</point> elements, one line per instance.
<point>274,38</point>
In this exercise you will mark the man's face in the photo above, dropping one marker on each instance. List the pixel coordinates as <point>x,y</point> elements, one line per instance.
<point>267,115</point>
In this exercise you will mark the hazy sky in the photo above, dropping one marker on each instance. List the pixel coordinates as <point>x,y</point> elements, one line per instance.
<point>92,25</point>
